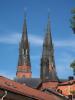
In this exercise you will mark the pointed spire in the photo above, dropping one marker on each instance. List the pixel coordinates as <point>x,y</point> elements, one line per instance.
<point>24,64</point>
<point>48,71</point>
<point>24,46</point>
<point>48,24</point>
<point>24,57</point>
<point>49,37</point>
<point>47,44</point>
<point>24,39</point>
<point>24,35</point>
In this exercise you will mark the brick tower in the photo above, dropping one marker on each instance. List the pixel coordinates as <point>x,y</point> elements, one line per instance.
<point>48,70</point>
<point>24,65</point>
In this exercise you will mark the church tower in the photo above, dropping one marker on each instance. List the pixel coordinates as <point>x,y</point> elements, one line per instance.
<point>48,70</point>
<point>24,65</point>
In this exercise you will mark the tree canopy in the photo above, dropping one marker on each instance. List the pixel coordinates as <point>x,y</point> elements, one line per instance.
<point>73,64</point>
<point>73,20</point>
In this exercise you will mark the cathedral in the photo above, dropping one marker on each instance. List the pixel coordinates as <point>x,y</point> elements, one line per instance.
<point>47,63</point>
<point>24,86</point>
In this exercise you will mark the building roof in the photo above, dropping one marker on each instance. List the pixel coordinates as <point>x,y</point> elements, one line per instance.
<point>70,82</point>
<point>31,82</point>
<point>48,70</point>
<point>24,90</point>
<point>50,84</point>
<point>51,91</point>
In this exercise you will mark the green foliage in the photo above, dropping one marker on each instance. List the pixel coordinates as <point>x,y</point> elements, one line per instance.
<point>73,92</point>
<point>73,11</point>
<point>72,21</point>
<point>72,65</point>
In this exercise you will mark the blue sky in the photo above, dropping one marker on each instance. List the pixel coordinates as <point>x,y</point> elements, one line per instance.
<point>11,23</point>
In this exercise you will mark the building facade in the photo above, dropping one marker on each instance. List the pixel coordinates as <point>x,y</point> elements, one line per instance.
<point>24,87</point>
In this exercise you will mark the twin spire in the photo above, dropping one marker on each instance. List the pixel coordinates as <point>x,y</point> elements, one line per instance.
<point>48,71</point>
<point>24,47</point>
<point>48,37</point>
<point>24,64</point>
<point>24,34</point>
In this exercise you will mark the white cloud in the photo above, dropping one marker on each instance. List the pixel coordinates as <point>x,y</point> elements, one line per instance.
<point>14,38</point>
<point>64,43</point>
<point>10,39</point>
<point>35,40</point>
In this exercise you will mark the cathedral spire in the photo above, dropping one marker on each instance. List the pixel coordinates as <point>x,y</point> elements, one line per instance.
<point>24,34</point>
<point>48,37</point>
<point>24,65</point>
<point>48,71</point>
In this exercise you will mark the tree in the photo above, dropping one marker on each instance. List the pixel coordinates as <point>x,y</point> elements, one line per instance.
<point>73,92</point>
<point>73,20</point>
<point>72,65</point>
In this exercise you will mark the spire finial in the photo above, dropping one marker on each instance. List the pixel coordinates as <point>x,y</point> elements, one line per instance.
<point>48,23</point>
<point>48,15</point>
<point>25,12</point>
<point>48,12</point>
<point>24,35</point>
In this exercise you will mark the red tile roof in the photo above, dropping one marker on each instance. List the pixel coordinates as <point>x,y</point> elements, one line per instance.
<point>67,82</point>
<point>51,84</point>
<point>66,87</point>
<point>23,89</point>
